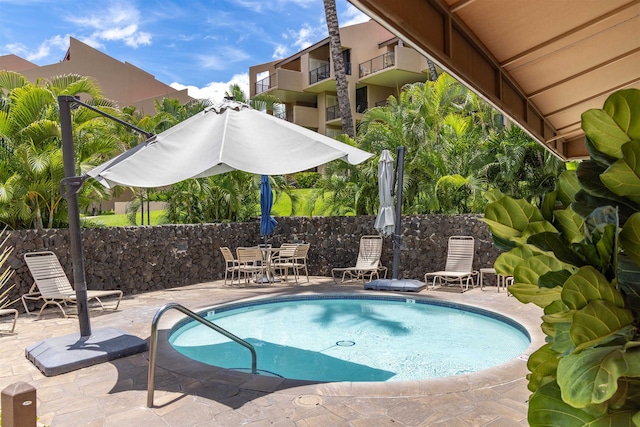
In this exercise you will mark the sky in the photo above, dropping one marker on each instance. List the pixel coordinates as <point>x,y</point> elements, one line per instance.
<point>203,45</point>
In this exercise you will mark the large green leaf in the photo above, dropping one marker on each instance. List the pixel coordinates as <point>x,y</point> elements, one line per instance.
<point>549,205</point>
<point>507,261</point>
<point>589,174</point>
<point>554,279</point>
<point>622,180</point>
<point>555,243</point>
<point>586,285</point>
<point>530,270</point>
<point>568,185</point>
<point>570,224</point>
<point>542,364</point>
<point>630,237</point>
<point>597,156</point>
<point>527,293</point>
<point>591,376</point>
<point>628,275</point>
<point>598,321</point>
<point>537,227</point>
<point>562,342</point>
<point>547,409</point>
<point>604,132</point>
<point>508,218</point>
<point>624,107</point>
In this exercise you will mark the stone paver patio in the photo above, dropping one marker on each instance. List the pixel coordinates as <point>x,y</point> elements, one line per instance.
<point>192,394</point>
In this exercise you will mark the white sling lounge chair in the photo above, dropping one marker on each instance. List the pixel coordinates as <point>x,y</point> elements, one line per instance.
<point>459,266</point>
<point>51,285</point>
<point>368,263</point>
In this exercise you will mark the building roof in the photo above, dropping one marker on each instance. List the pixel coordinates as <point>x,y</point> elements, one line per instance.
<point>542,63</point>
<point>119,81</point>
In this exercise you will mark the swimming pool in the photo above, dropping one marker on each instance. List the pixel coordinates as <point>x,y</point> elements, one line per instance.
<point>354,338</point>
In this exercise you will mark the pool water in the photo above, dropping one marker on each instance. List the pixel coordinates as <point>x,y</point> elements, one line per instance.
<point>354,338</point>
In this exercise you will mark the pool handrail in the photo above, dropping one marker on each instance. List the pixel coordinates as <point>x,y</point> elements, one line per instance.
<point>153,342</point>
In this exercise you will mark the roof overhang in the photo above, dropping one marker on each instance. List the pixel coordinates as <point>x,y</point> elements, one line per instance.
<point>542,63</point>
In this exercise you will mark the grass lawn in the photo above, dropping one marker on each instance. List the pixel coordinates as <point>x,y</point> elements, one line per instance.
<point>281,207</point>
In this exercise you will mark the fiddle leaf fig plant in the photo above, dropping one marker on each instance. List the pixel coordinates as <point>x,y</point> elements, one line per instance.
<point>578,257</point>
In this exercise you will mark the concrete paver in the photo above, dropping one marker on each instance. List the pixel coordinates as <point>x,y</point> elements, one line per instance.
<point>192,394</point>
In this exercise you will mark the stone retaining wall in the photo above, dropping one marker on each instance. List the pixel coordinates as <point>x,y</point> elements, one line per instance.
<point>146,258</point>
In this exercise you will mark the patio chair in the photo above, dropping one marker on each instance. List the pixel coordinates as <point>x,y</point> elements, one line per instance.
<point>284,260</point>
<point>300,259</point>
<point>368,263</point>
<point>250,262</point>
<point>52,286</point>
<point>459,265</point>
<point>231,264</point>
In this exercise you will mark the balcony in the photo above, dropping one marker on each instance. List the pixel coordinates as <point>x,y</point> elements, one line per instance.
<point>376,64</point>
<point>285,115</point>
<point>266,84</point>
<point>321,73</point>
<point>333,113</point>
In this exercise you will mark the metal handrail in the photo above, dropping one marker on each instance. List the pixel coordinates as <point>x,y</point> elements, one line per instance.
<point>153,343</point>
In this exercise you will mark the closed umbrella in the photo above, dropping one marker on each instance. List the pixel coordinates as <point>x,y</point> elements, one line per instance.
<point>267,223</point>
<point>225,137</point>
<point>386,219</point>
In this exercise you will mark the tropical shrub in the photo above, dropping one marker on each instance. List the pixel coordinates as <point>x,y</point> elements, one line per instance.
<point>307,179</point>
<point>578,257</point>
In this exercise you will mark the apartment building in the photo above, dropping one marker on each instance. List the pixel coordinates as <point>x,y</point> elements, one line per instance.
<point>377,64</point>
<point>122,82</point>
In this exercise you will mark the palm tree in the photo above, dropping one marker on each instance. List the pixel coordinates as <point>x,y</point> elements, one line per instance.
<point>31,165</point>
<point>339,68</point>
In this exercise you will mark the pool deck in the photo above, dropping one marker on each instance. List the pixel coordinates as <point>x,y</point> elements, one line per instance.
<point>192,394</point>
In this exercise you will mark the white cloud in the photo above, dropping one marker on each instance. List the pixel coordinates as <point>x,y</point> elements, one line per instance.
<point>120,22</point>
<point>280,52</point>
<point>307,35</point>
<point>222,58</point>
<point>58,43</point>
<point>215,90</point>
<point>353,16</point>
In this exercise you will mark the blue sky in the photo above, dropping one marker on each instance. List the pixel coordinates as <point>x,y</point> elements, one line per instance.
<point>200,44</point>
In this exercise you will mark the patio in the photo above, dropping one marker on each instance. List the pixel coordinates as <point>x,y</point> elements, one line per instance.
<point>115,393</point>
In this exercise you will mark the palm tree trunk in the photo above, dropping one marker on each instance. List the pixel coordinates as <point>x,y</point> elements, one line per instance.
<point>339,67</point>
<point>432,70</point>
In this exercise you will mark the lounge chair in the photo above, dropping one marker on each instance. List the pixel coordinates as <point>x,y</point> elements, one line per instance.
<point>231,264</point>
<point>459,265</point>
<point>14,313</point>
<point>368,263</point>
<point>52,286</point>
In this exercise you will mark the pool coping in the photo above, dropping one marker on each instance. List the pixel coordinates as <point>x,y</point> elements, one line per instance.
<point>509,372</point>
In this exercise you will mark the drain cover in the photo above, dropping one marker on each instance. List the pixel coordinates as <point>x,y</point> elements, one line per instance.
<point>345,343</point>
<point>308,400</point>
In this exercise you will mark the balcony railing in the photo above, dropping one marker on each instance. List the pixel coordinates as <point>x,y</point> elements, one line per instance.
<point>333,112</point>
<point>376,64</point>
<point>285,115</point>
<point>266,84</point>
<point>321,73</point>
<point>361,106</point>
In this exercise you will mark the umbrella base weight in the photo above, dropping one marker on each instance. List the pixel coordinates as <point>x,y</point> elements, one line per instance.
<point>68,353</point>
<point>402,285</point>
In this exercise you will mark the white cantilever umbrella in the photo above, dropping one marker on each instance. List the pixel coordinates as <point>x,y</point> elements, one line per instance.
<point>225,137</point>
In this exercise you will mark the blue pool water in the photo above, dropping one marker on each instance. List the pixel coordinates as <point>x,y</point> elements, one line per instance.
<point>354,338</point>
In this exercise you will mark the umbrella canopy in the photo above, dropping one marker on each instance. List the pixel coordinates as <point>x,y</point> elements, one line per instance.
<point>225,137</point>
<point>267,223</point>
<point>386,219</point>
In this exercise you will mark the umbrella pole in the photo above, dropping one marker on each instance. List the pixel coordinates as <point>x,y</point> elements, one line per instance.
<point>397,236</point>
